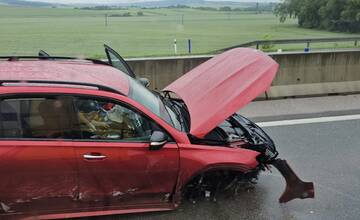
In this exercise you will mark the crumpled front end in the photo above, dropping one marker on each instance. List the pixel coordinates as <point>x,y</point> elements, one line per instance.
<point>237,129</point>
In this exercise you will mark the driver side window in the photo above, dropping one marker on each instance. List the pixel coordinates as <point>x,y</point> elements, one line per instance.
<point>104,120</point>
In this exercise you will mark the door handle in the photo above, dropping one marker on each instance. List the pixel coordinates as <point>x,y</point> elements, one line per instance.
<point>94,156</point>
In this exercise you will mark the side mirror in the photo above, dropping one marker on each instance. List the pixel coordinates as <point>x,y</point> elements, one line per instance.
<point>144,81</point>
<point>157,140</point>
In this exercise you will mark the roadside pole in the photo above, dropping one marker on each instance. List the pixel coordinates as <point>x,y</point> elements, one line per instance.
<point>189,46</point>
<point>175,46</point>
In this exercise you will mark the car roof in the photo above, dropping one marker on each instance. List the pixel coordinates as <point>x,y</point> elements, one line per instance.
<point>72,72</point>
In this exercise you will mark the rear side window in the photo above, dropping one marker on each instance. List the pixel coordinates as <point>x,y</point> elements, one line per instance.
<point>38,118</point>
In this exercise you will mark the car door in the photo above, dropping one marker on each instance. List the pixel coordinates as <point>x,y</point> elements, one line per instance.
<point>115,60</point>
<point>116,167</point>
<point>37,160</point>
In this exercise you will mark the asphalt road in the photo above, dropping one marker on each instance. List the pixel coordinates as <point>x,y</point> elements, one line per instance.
<point>326,153</point>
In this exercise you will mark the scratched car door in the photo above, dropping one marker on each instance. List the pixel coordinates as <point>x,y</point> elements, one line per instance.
<point>116,167</point>
<point>37,160</point>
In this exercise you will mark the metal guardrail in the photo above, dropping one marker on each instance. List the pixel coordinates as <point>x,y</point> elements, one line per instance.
<point>308,41</point>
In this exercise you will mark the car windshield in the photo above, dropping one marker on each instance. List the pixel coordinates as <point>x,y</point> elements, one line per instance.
<point>152,102</point>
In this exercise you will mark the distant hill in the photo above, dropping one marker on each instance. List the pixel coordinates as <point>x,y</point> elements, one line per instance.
<point>250,5</point>
<point>164,3</point>
<point>147,3</point>
<point>26,3</point>
<point>197,3</point>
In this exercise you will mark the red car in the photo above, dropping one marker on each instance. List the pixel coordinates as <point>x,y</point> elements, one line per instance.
<point>81,137</point>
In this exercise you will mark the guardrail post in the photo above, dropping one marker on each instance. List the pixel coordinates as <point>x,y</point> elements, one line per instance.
<point>266,95</point>
<point>189,46</point>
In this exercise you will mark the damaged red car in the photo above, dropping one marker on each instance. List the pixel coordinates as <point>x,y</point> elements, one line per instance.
<point>82,137</point>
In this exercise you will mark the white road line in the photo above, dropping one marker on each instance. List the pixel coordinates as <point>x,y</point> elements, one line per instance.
<point>308,120</point>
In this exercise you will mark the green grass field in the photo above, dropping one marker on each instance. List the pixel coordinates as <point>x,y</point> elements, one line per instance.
<point>66,31</point>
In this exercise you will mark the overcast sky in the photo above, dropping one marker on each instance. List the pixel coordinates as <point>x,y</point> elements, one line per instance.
<point>126,1</point>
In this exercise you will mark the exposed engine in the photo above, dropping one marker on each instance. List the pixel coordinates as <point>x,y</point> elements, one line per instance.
<point>238,131</point>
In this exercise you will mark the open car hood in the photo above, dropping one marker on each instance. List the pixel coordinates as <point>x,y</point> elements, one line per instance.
<point>223,85</point>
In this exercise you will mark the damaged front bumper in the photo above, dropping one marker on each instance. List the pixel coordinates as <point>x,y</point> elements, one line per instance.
<point>238,131</point>
<point>261,142</point>
<point>295,187</point>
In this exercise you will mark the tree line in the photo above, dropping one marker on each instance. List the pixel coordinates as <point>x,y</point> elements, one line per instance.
<point>333,15</point>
